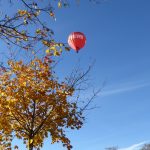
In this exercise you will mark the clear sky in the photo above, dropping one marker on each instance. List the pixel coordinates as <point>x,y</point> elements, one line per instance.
<point>118,39</point>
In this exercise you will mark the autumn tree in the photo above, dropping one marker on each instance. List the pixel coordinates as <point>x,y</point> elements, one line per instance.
<point>25,28</point>
<point>112,148</point>
<point>146,147</point>
<point>34,104</point>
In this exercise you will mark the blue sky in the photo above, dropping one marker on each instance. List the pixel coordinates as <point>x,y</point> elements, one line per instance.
<point>118,39</point>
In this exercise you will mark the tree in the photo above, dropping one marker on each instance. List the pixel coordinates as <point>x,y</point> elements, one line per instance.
<point>16,29</point>
<point>112,148</point>
<point>25,28</point>
<point>34,104</point>
<point>146,147</point>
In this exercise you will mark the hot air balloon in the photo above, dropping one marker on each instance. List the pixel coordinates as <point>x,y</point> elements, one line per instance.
<point>76,40</point>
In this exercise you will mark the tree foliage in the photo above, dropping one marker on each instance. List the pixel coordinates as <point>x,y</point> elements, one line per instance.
<point>25,28</point>
<point>34,104</point>
<point>146,147</point>
<point>112,148</point>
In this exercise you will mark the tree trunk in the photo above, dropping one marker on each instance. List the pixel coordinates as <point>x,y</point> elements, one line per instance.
<point>30,141</point>
<point>30,144</point>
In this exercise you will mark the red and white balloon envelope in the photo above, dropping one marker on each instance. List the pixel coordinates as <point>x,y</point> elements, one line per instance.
<point>76,40</point>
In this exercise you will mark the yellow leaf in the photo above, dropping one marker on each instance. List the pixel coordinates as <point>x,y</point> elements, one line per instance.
<point>38,31</point>
<point>59,4</point>
<point>47,51</point>
<point>2,94</point>
<point>44,42</point>
<point>53,48</point>
<point>56,53</point>
<point>60,44</point>
<point>31,141</point>
<point>22,12</point>
<point>60,50</point>
<point>24,83</point>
